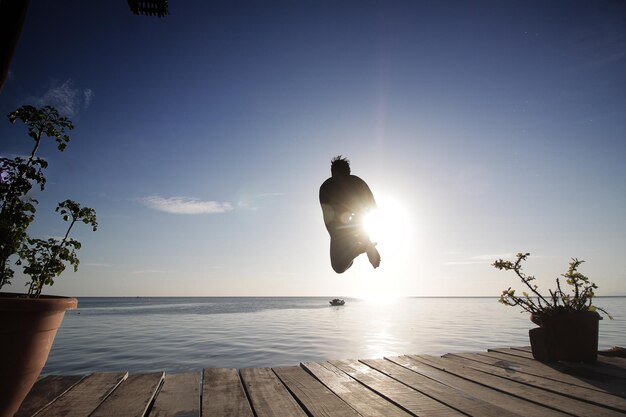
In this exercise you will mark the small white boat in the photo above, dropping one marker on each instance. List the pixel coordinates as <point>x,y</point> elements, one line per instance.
<point>337,302</point>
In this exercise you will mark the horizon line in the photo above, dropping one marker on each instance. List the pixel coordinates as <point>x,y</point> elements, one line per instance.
<point>297,296</point>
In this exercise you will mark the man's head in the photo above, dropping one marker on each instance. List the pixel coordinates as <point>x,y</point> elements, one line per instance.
<point>339,166</point>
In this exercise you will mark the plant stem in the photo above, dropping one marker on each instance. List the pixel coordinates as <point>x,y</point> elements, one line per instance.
<point>50,259</point>
<point>37,141</point>
<point>68,229</point>
<point>525,281</point>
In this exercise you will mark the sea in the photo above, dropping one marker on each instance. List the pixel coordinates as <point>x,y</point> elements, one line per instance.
<point>178,334</point>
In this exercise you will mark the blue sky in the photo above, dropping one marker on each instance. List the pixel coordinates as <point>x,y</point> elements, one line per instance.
<point>202,138</point>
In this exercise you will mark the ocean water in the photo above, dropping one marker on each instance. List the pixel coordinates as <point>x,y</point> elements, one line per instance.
<point>187,334</point>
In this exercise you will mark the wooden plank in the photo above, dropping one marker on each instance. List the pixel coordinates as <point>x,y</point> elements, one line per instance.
<point>522,348</point>
<point>513,352</point>
<point>603,369</point>
<point>527,352</point>
<point>268,396</point>
<point>521,406</point>
<point>613,361</point>
<point>598,367</point>
<point>556,401</point>
<point>573,391</point>
<point>537,368</point>
<point>615,351</point>
<point>467,402</point>
<point>401,395</point>
<point>179,396</point>
<point>223,394</point>
<point>86,396</point>
<point>593,374</point>
<point>363,400</point>
<point>318,400</point>
<point>603,356</point>
<point>45,391</point>
<point>132,398</point>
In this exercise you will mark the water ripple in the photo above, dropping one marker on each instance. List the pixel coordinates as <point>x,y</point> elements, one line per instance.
<point>183,334</point>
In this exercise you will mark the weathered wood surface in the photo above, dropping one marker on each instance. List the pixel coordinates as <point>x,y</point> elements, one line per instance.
<point>45,391</point>
<point>599,371</point>
<point>493,396</point>
<point>314,397</point>
<point>362,399</point>
<point>401,395</point>
<point>223,395</point>
<point>268,396</point>
<point>503,382</point>
<point>132,398</point>
<point>556,401</point>
<point>573,391</point>
<point>179,396</point>
<point>85,397</point>
<point>546,371</point>
<point>464,400</point>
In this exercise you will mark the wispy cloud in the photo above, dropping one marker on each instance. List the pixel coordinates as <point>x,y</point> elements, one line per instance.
<point>251,203</point>
<point>493,256</point>
<point>247,205</point>
<point>68,99</point>
<point>609,58</point>
<point>150,271</point>
<point>481,259</point>
<point>88,95</point>
<point>185,205</point>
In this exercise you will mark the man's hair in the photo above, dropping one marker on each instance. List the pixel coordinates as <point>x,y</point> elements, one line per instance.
<point>340,165</point>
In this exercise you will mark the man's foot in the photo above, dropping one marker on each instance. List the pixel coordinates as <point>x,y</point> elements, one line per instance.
<point>373,255</point>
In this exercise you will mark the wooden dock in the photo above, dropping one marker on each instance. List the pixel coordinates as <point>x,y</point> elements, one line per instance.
<point>500,382</point>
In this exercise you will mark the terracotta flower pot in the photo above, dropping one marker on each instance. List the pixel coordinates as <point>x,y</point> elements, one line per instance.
<point>27,329</point>
<point>566,337</point>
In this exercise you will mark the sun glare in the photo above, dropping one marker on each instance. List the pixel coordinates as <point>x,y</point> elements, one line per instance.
<point>389,224</point>
<point>380,298</point>
<point>391,227</point>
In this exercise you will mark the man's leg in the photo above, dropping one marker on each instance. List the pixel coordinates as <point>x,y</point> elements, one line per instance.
<point>369,247</point>
<point>373,255</point>
<point>342,253</point>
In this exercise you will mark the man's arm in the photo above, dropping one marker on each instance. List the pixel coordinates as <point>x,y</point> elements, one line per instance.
<point>327,209</point>
<point>366,197</point>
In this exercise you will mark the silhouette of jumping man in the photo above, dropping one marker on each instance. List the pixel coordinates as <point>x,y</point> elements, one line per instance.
<point>345,199</point>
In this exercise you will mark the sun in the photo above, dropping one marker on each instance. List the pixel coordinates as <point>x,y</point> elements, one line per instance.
<point>389,225</point>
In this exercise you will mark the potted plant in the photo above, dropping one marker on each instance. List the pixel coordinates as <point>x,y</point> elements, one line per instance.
<point>568,321</point>
<point>29,322</point>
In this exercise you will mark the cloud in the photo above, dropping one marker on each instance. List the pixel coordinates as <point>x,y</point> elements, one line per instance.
<point>251,203</point>
<point>150,271</point>
<point>493,257</point>
<point>95,265</point>
<point>247,205</point>
<point>88,94</point>
<point>185,205</point>
<point>481,259</point>
<point>66,98</point>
